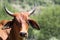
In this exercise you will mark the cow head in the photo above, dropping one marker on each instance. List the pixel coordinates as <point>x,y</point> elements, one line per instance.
<point>21,22</point>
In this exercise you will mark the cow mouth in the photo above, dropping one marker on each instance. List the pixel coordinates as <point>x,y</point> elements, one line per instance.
<point>24,36</point>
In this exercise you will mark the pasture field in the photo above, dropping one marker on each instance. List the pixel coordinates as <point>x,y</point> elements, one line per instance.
<point>47,16</point>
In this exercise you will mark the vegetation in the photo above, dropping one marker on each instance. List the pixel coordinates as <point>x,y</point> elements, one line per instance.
<point>47,15</point>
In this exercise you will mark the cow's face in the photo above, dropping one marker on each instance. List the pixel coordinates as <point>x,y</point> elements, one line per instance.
<point>22,21</point>
<point>21,24</point>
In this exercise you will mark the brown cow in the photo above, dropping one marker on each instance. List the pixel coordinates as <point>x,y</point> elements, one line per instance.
<point>17,28</point>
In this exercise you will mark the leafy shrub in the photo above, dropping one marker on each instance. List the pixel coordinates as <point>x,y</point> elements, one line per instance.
<point>49,21</point>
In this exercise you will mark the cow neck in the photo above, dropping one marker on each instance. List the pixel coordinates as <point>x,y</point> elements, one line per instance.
<point>13,35</point>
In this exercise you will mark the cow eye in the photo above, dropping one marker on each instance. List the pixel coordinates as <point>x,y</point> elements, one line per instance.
<point>27,22</point>
<point>18,23</point>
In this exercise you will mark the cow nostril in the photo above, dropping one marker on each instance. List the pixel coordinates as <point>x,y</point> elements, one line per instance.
<point>22,34</point>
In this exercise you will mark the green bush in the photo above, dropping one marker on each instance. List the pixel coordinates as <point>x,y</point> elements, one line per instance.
<point>49,21</point>
<point>56,1</point>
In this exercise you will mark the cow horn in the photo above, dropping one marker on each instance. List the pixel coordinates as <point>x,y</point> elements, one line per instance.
<point>32,11</point>
<point>8,12</point>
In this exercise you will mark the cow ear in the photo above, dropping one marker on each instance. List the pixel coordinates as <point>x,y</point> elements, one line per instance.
<point>34,24</point>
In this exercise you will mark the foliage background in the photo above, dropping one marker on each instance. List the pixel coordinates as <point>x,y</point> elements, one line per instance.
<point>47,15</point>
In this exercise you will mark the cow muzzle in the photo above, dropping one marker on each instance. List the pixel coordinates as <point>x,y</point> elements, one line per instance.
<point>23,34</point>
